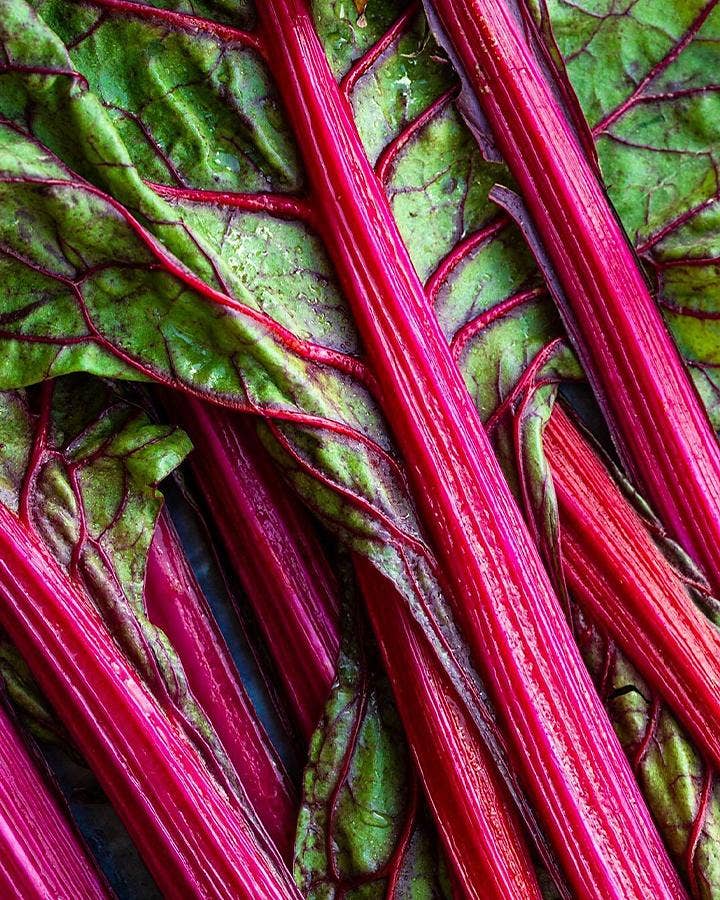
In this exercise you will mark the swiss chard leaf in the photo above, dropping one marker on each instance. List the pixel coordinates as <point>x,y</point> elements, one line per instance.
<point>153,288</point>
<point>363,830</point>
<point>647,82</point>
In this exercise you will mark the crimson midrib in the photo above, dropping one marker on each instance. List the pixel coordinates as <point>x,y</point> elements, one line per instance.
<point>502,594</point>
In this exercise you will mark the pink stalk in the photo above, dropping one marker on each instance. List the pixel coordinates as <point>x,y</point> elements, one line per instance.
<point>272,549</point>
<point>41,855</point>
<point>657,419</point>
<point>558,731</point>
<point>622,580</point>
<point>194,837</point>
<point>480,830</point>
<point>176,604</point>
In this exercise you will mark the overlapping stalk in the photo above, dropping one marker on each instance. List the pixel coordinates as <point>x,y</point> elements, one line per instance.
<point>193,835</point>
<point>480,827</point>
<point>481,831</point>
<point>558,731</point>
<point>271,548</point>
<point>176,604</point>
<point>41,854</point>
<point>623,582</point>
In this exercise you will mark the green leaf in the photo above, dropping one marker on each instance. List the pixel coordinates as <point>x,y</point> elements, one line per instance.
<point>110,276</point>
<point>362,826</point>
<point>28,701</point>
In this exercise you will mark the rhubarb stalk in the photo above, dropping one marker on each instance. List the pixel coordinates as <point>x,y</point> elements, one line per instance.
<point>192,834</point>
<point>40,852</point>
<point>176,604</point>
<point>623,582</point>
<point>559,733</point>
<point>657,420</point>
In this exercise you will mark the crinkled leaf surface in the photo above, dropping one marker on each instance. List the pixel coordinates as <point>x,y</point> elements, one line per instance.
<point>198,288</point>
<point>81,465</point>
<point>646,75</point>
<point>363,831</point>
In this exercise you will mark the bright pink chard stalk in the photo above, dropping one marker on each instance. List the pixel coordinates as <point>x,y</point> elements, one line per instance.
<point>559,734</point>
<point>480,829</point>
<point>176,604</point>
<point>623,582</point>
<point>271,547</point>
<point>193,835</point>
<point>656,417</point>
<point>41,854</point>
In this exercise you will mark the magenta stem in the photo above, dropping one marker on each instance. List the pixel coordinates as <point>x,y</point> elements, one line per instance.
<point>272,549</point>
<point>41,855</point>
<point>193,836</point>
<point>481,833</point>
<point>559,733</point>
<point>623,582</point>
<point>176,604</point>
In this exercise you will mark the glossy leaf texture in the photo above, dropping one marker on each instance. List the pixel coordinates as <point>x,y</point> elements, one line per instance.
<point>363,829</point>
<point>80,465</point>
<point>507,339</point>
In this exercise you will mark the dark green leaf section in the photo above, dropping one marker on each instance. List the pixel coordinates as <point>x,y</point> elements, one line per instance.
<point>363,831</point>
<point>347,33</point>
<point>81,465</point>
<point>647,77</point>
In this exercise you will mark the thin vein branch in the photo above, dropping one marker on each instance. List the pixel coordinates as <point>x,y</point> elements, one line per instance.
<point>386,161</point>
<point>363,65</point>
<point>181,21</point>
<point>656,70</point>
